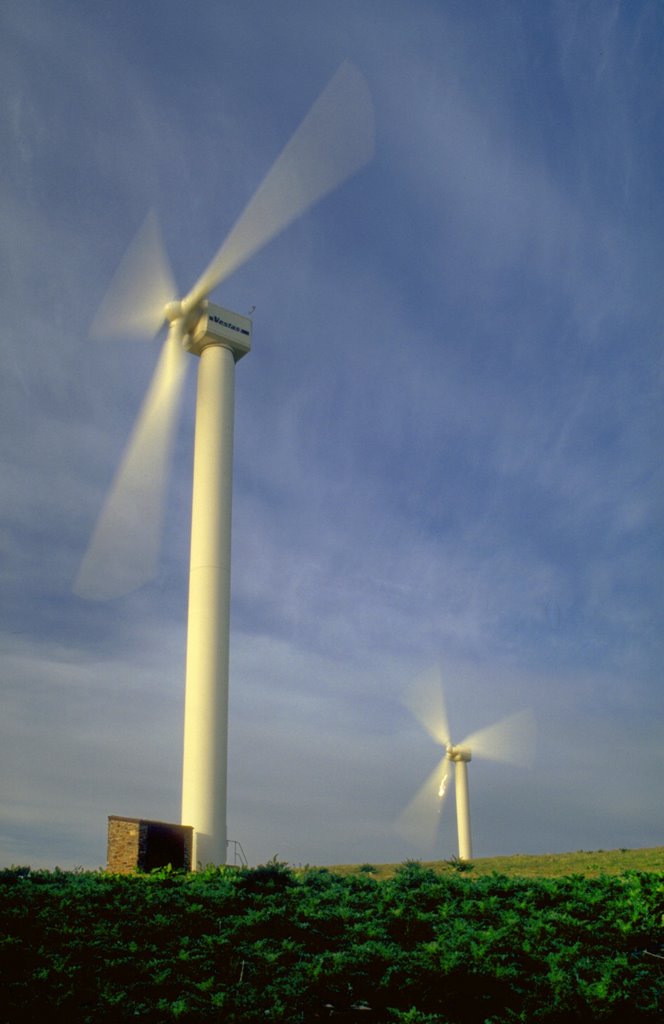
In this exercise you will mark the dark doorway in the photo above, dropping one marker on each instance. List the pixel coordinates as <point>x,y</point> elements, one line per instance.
<point>165,844</point>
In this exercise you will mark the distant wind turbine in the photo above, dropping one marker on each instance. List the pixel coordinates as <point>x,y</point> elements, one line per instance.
<point>333,142</point>
<point>510,740</point>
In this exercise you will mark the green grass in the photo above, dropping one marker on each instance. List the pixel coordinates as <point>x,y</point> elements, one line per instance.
<point>589,863</point>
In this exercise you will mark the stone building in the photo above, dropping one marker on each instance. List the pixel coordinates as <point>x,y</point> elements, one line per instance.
<point>137,844</point>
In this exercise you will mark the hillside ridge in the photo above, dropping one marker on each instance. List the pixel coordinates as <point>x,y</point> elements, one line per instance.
<point>590,863</point>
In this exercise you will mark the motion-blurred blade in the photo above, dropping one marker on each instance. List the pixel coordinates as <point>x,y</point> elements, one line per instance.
<point>124,549</point>
<point>335,139</point>
<point>425,701</point>
<point>141,287</point>
<point>420,819</point>
<point>512,740</point>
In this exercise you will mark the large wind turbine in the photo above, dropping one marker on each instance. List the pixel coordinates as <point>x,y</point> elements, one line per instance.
<point>334,141</point>
<point>511,741</point>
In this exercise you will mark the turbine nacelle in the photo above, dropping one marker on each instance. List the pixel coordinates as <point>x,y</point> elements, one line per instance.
<point>219,326</point>
<point>457,754</point>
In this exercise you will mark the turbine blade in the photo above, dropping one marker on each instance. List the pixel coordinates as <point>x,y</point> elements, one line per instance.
<point>334,141</point>
<point>420,818</point>
<point>124,549</point>
<point>426,702</point>
<point>140,288</point>
<point>512,740</point>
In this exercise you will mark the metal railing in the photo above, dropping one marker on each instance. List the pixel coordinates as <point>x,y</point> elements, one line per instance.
<point>239,857</point>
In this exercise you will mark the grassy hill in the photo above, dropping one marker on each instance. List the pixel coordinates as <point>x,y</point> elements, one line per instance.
<point>589,863</point>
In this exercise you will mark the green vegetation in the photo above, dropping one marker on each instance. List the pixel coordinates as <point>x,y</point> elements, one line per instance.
<point>273,944</point>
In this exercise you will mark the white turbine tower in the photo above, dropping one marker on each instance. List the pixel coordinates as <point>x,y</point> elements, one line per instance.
<point>333,142</point>
<point>510,740</point>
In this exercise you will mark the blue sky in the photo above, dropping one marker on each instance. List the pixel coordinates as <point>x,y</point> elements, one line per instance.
<point>448,433</point>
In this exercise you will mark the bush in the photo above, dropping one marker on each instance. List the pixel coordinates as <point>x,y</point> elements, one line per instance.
<point>266,944</point>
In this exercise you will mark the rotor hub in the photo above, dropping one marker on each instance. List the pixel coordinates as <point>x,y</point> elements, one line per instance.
<point>173,311</point>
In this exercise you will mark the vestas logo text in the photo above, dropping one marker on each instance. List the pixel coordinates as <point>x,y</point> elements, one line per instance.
<point>224,323</point>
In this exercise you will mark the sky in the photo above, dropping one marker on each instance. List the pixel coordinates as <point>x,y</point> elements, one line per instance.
<point>448,433</point>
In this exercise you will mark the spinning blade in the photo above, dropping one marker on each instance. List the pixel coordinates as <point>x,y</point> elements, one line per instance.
<point>335,139</point>
<point>419,820</point>
<point>512,740</point>
<point>141,286</point>
<point>425,701</point>
<point>124,549</point>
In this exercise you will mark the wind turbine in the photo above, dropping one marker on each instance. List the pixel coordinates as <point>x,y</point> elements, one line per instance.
<point>333,142</point>
<point>510,740</point>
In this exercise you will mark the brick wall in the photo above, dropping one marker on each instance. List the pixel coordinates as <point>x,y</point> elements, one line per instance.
<point>123,844</point>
